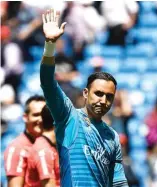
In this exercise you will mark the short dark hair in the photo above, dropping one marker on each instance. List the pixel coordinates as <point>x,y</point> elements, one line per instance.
<point>48,121</point>
<point>100,75</point>
<point>32,98</point>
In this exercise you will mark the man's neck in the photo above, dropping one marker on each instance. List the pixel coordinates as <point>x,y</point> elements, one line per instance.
<point>29,136</point>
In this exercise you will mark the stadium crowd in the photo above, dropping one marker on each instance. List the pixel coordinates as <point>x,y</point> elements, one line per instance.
<point>114,36</point>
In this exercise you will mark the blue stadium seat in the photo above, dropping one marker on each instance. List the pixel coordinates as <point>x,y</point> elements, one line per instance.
<point>85,67</point>
<point>142,111</point>
<point>128,80</point>
<point>6,140</point>
<point>133,126</point>
<point>92,50</point>
<point>147,6</point>
<point>148,82</point>
<point>152,65</point>
<point>140,50</point>
<point>143,34</point>
<point>148,20</point>
<point>150,97</point>
<point>112,65</point>
<point>134,64</point>
<point>36,52</point>
<point>137,142</point>
<point>113,51</point>
<point>138,155</point>
<point>101,37</point>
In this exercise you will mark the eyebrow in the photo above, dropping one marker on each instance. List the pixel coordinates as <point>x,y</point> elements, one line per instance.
<point>101,92</point>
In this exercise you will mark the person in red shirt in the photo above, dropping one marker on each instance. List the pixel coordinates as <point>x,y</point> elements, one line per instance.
<point>43,163</point>
<point>16,154</point>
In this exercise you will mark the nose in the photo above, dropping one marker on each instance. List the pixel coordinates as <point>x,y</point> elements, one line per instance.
<point>103,99</point>
<point>39,120</point>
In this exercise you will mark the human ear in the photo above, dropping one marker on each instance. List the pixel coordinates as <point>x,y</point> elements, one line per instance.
<point>85,93</point>
<point>25,117</point>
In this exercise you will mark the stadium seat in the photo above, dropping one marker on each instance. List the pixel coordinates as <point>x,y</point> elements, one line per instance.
<point>147,6</point>
<point>133,64</point>
<point>133,126</point>
<point>141,111</point>
<point>137,142</point>
<point>142,50</point>
<point>143,34</point>
<point>36,52</point>
<point>128,80</point>
<point>152,65</point>
<point>113,51</point>
<point>148,20</point>
<point>101,37</point>
<point>112,65</point>
<point>139,95</point>
<point>149,82</point>
<point>92,50</point>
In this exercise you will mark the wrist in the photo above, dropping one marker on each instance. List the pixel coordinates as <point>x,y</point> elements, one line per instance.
<point>49,48</point>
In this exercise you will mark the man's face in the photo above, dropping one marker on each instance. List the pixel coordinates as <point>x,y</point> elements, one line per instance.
<point>33,118</point>
<point>99,97</point>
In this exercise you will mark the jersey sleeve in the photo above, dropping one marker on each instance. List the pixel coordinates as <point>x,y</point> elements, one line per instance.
<point>119,178</point>
<point>61,108</point>
<point>15,161</point>
<point>45,164</point>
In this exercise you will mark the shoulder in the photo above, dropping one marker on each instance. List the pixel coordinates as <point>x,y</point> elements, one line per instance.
<point>16,143</point>
<point>111,131</point>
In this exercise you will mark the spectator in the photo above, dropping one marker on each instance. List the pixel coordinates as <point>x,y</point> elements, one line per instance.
<point>81,16</point>
<point>65,70</point>
<point>10,111</point>
<point>43,162</point>
<point>16,154</point>
<point>151,122</point>
<point>25,26</point>
<point>120,17</point>
<point>12,61</point>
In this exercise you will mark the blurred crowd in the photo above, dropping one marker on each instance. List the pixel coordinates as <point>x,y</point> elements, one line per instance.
<point>88,22</point>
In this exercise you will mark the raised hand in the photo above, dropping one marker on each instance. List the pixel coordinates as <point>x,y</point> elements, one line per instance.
<point>50,25</point>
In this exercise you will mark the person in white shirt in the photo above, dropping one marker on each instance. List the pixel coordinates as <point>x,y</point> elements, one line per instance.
<point>120,16</point>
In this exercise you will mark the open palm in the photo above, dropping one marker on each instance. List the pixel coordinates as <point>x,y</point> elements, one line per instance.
<point>50,25</point>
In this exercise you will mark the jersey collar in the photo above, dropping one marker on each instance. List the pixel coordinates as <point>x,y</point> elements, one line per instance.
<point>31,139</point>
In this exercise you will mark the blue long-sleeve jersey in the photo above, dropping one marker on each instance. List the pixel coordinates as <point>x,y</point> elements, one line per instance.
<point>89,152</point>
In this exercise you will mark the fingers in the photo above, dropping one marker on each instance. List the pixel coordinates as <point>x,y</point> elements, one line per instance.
<point>52,14</point>
<point>48,19</point>
<point>57,17</point>
<point>63,27</point>
<point>43,18</point>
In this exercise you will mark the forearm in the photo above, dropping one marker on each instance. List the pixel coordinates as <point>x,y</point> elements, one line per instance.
<point>48,183</point>
<point>15,181</point>
<point>55,97</point>
<point>57,101</point>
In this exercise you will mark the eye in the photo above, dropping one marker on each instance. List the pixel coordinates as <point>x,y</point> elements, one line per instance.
<point>110,97</point>
<point>99,93</point>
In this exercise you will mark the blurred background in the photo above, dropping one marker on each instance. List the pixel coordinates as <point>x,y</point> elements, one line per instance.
<point>119,37</point>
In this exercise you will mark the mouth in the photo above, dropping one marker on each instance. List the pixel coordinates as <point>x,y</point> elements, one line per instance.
<point>98,109</point>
